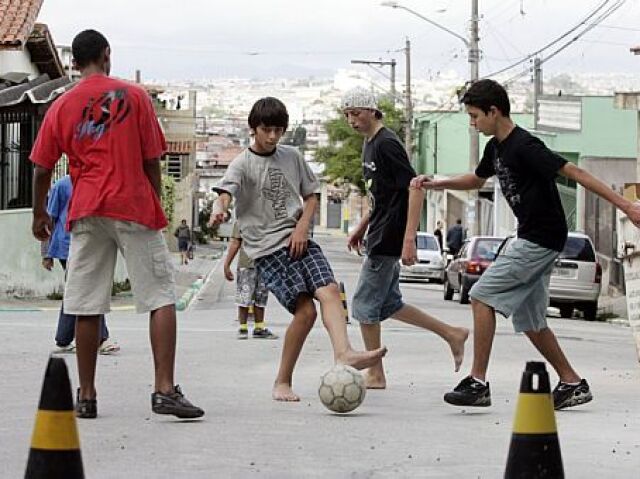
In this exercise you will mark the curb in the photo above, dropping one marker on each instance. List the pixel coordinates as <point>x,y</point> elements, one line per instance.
<point>194,290</point>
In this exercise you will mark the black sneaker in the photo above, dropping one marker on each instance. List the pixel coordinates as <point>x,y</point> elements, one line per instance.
<point>86,408</point>
<point>264,333</point>
<point>470,392</point>
<point>176,404</point>
<point>569,395</point>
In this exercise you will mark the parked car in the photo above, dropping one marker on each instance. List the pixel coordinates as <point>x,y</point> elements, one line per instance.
<point>576,279</point>
<point>474,257</point>
<point>430,265</point>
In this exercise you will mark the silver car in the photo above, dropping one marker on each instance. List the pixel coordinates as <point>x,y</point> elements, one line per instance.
<point>430,265</point>
<point>576,279</point>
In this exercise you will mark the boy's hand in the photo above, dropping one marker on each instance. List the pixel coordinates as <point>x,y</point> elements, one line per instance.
<point>41,226</point>
<point>217,215</point>
<point>47,263</point>
<point>227,272</point>
<point>634,213</point>
<point>421,181</point>
<point>409,252</point>
<point>354,241</point>
<point>298,242</point>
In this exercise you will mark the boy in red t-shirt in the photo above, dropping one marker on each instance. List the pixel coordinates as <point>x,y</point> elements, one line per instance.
<point>109,131</point>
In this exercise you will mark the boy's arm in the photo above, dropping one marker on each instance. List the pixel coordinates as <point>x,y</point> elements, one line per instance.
<point>153,172</point>
<point>591,183</point>
<point>409,249</point>
<point>468,181</point>
<point>41,225</point>
<point>219,209</point>
<point>234,247</point>
<point>298,239</point>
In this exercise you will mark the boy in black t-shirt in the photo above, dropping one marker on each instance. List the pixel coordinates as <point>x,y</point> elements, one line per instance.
<point>517,283</point>
<point>387,174</point>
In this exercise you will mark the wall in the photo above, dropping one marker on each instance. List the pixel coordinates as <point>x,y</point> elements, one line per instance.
<point>22,274</point>
<point>17,61</point>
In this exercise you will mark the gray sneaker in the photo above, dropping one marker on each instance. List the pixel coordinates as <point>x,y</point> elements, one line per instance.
<point>175,404</point>
<point>243,334</point>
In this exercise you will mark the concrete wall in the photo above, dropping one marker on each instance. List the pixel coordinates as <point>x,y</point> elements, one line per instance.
<point>17,61</point>
<point>22,274</point>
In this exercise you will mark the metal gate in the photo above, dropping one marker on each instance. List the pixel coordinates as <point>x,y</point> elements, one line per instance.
<point>334,214</point>
<point>17,133</point>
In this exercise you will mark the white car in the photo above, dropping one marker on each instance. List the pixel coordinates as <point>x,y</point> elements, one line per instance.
<point>430,265</point>
<point>576,279</point>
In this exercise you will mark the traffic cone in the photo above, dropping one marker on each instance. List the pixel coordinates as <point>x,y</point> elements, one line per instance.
<point>535,451</point>
<point>55,446</point>
<point>343,297</point>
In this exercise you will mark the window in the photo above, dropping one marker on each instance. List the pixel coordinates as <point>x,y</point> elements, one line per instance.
<point>427,242</point>
<point>578,249</point>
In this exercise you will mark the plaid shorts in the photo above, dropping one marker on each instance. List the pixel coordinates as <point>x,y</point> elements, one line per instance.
<point>250,289</point>
<point>287,278</point>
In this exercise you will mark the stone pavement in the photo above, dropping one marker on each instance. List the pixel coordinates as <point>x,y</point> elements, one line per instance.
<point>406,431</point>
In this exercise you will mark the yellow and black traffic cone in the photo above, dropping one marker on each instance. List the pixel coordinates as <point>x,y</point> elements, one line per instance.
<point>55,446</point>
<point>343,297</point>
<point>535,450</point>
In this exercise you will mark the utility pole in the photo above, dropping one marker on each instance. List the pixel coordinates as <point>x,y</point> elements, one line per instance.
<point>408,107</point>
<point>392,64</point>
<point>474,141</point>
<point>537,90</point>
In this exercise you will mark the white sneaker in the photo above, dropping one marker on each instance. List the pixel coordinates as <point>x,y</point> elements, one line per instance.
<point>68,349</point>
<point>107,348</point>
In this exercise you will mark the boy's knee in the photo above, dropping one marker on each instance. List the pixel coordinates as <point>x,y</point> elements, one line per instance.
<point>306,311</point>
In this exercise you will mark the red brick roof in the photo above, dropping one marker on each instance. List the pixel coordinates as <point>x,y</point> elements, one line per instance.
<point>17,18</point>
<point>180,147</point>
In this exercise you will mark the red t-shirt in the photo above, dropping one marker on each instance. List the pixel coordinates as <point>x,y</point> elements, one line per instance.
<point>107,128</point>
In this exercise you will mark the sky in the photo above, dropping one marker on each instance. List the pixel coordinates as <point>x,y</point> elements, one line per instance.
<point>197,39</point>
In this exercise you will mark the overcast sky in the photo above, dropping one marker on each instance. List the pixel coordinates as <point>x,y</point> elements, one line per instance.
<point>168,39</point>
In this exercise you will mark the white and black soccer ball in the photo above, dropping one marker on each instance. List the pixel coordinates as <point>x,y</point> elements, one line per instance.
<point>342,388</point>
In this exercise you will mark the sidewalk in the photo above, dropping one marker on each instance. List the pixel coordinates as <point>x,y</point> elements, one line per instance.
<point>204,261</point>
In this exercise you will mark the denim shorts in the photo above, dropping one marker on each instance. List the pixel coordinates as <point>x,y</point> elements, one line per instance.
<point>288,278</point>
<point>377,295</point>
<point>517,284</point>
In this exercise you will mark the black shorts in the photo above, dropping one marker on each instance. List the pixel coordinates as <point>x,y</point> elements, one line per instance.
<point>183,244</point>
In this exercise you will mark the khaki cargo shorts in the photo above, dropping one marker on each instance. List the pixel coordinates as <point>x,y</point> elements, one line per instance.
<point>95,242</point>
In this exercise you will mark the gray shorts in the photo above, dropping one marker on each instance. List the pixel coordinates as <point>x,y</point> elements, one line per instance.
<point>94,248</point>
<point>517,284</point>
<point>377,296</point>
<point>250,289</point>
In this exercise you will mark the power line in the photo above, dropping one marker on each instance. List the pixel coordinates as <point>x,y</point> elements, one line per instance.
<point>550,44</point>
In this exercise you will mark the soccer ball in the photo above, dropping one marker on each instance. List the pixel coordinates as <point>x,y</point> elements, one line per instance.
<point>342,388</point>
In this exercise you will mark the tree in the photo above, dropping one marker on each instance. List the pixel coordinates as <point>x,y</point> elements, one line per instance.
<point>342,157</point>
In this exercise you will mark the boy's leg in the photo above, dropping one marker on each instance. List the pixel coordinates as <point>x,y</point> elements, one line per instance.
<point>454,336</point>
<point>303,320</point>
<point>371,335</point>
<point>66,328</point>
<point>87,342</point>
<point>547,343</point>
<point>333,320</point>
<point>484,330</point>
<point>162,332</point>
<point>243,318</point>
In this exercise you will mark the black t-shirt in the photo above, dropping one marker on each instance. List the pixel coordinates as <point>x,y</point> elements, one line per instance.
<point>387,173</point>
<point>527,169</point>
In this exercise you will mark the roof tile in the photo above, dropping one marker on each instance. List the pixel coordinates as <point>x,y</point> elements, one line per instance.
<point>17,18</point>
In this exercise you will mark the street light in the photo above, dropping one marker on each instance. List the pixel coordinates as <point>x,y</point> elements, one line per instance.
<point>474,59</point>
<point>419,15</point>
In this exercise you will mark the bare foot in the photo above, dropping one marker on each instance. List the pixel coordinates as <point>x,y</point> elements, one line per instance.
<point>375,381</point>
<point>361,359</point>
<point>283,392</point>
<point>457,346</point>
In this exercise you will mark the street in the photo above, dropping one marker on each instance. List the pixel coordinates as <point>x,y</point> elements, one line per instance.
<point>404,431</point>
